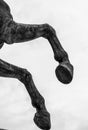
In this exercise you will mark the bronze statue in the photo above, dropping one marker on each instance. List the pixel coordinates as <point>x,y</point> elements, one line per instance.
<point>12,32</point>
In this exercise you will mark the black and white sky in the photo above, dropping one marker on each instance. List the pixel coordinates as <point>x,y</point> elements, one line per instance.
<point>67,104</point>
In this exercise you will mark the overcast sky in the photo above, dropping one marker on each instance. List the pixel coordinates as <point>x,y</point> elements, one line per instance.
<point>67,104</point>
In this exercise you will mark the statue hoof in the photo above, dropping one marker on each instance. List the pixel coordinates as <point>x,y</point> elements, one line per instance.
<point>64,72</point>
<point>42,120</point>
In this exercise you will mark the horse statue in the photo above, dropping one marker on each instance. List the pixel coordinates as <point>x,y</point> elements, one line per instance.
<point>13,32</point>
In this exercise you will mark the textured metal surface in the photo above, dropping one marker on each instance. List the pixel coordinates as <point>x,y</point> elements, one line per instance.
<point>12,32</point>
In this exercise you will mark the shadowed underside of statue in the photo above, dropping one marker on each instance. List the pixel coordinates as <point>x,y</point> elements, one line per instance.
<point>12,32</point>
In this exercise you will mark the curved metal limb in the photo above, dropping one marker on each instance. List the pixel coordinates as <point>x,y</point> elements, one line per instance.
<point>42,116</point>
<point>17,32</point>
<point>12,32</point>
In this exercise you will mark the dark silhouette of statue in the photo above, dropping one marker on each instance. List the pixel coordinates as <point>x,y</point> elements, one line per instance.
<point>12,32</point>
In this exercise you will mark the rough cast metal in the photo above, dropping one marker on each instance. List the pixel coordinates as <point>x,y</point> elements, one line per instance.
<point>12,32</point>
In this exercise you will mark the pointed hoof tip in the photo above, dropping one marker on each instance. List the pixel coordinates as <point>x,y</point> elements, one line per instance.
<point>64,72</point>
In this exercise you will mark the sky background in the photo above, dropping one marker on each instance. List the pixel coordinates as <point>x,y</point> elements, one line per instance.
<point>67,104</point>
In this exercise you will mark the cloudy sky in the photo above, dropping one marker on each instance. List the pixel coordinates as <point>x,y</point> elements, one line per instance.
<point>67,104</point>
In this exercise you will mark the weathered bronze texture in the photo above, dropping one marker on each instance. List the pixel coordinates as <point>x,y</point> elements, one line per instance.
<point>12,32</point>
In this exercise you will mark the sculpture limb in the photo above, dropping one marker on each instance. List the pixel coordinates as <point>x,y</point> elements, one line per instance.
<point>42,117</point>
<point>17,32</point>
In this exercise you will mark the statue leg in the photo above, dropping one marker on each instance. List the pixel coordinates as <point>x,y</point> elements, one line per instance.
<point>42,117</point>
<point>16,32</point>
